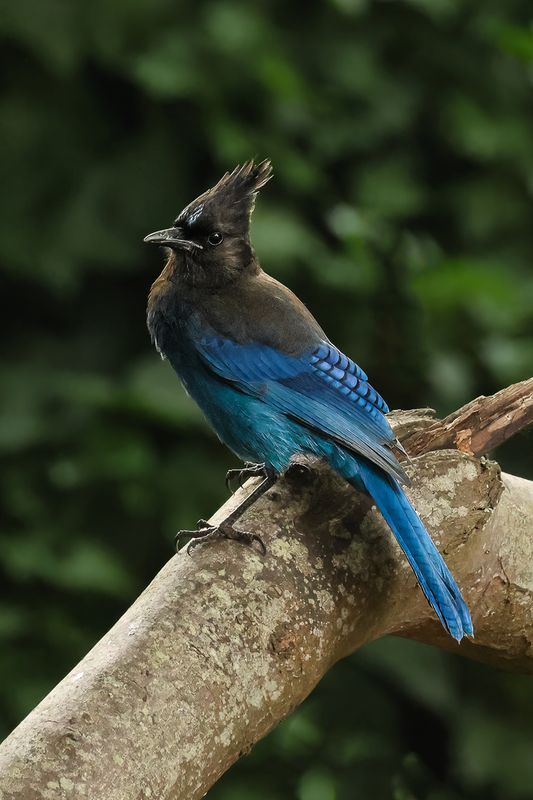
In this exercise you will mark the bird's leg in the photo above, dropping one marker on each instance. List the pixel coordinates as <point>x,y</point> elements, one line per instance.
<point>249,470</point>
<point>226,530</point>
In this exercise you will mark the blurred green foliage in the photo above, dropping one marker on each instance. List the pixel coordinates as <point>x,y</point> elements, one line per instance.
<point>401,134</point>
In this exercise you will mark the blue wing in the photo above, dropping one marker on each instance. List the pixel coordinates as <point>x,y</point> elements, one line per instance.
<point>321,389</point>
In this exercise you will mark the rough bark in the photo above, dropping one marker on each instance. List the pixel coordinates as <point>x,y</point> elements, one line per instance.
<point>224,644</point>
<point>480,425</point>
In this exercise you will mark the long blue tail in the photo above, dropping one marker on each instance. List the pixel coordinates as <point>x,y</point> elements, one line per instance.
<point>434,577</point>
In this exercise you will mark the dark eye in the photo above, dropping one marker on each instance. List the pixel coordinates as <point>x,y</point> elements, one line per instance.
<point>215,238</point>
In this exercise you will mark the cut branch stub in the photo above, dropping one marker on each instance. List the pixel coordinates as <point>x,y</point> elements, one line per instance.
<point>480,425</point>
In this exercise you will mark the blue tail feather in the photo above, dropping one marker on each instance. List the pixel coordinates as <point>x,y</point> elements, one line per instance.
<point>434,577</point>
<point>437,561</point>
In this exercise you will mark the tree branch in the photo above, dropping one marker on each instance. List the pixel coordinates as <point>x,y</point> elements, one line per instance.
<point>480,425</point>
<point>222,645</point>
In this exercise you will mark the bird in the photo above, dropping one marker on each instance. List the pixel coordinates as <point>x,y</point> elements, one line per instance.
<point>270,382</point>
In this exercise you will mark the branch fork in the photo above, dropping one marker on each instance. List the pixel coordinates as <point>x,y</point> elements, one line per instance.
<point>221,646</point>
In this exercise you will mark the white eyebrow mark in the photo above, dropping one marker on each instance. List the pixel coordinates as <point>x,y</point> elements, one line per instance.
<point>195,215</point>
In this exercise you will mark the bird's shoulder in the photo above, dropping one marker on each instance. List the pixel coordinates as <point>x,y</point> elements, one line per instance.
<point>259,309</point>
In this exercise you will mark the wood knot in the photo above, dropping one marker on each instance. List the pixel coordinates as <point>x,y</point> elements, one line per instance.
<point>300,474</point>
<point>282,642</point>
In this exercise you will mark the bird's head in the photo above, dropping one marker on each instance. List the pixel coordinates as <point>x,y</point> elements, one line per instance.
<point>209,241</point>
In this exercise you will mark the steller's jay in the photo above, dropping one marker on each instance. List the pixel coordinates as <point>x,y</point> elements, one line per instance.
<point>268,379</point>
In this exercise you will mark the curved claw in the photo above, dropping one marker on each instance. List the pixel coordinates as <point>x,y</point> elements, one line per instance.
<point>206,534</point>
<point>260,542</point>
<point>231,474</point>
<point>209,533</point>
<point>241,475</point>
<point>244,537</point>
<point>201,525</point>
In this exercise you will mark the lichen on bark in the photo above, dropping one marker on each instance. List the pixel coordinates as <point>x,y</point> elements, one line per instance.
<point>222,645</point>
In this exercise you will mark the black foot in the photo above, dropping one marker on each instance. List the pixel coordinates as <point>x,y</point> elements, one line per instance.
<point>209,533</point>
<point>201,525</point>
<point>241,475</point>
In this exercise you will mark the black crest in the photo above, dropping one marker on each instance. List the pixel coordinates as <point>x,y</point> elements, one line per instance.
<point>231,201</point>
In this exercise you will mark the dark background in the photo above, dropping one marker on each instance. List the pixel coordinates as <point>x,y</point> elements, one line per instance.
<point>402,140</point>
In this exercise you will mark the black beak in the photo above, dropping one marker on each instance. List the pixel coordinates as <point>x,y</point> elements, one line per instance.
<point>172,237</point>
